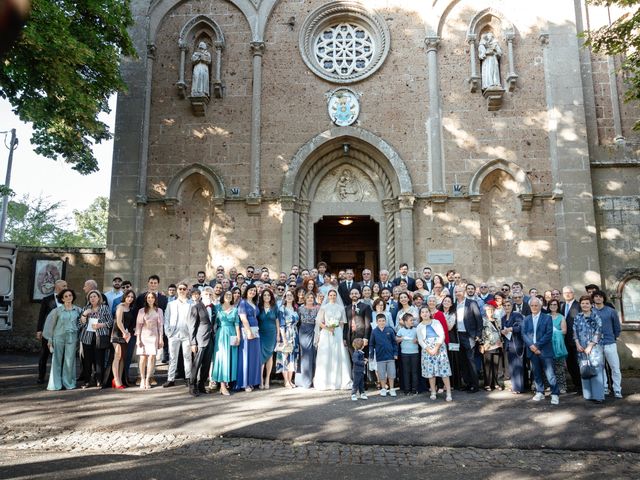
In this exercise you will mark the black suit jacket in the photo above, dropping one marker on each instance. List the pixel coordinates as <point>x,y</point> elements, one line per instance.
<point>526,309</point>
<point>472,318</point>
<point>388,284</point>
<point>451,287</point>
<point>363,322</point>
<point>47,304</point>
<point>411,283</point>
<point>362,284</point>
<point>200,325</point>
<point>574,310</point>
<point>344,291</point>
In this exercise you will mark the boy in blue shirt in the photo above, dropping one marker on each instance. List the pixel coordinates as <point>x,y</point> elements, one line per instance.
<point>410,357</point>
<point>383,343</point>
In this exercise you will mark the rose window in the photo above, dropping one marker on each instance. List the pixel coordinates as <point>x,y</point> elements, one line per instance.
<point>344,49</point>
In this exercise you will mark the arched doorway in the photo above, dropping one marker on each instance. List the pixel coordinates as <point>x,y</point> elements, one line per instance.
<point>347,242</point>
<point>347,172</point>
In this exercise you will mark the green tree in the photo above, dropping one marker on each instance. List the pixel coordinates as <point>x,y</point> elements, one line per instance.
<point>621,38</point>
<point>61,72</point>
<point>38,222</point>
<point>91,223</point>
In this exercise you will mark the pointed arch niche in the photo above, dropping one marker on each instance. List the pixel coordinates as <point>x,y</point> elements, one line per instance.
<point>201,28</point>
<point>213,188</point>
<point>377,185</point>
<point>518,183</point>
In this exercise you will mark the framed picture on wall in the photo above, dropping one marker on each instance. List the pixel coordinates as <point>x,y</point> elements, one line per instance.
<point>46,272</point>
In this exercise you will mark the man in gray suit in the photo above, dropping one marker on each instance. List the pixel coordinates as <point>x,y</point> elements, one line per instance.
<point>201,321</point>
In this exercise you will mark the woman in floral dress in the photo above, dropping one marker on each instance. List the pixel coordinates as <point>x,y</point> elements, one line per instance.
<point>288,335</point>
<point>435,362</point>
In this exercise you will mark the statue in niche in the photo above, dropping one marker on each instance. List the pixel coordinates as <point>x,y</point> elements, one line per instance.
<point>200,80</point>
<point>348,187</point>
<point>489,52</point>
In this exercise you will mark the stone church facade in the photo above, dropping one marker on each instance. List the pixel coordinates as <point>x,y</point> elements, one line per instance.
<point>378,112</point>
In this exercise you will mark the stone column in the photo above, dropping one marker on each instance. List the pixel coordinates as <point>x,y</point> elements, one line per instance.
<point>512,77</point>
<point>389,207</point>
<point>436,168</point>
<point>141,197</point>
<point>257,50</point>
<point>578,261</point>
<point>474,80</point>
<point>182,86</point>
<point>405,204</point>
<point>287,241</point>
<point>303,232</point>
<point>121,233</point>
<point>615,100</point>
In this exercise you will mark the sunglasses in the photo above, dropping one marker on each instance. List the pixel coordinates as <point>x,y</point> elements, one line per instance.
<point>181,288</point>
<point>504,289</point>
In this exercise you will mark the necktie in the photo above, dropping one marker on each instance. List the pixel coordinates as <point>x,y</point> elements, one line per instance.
<point>353,317</point>
<point>566,310</point>
<point>349,285</point>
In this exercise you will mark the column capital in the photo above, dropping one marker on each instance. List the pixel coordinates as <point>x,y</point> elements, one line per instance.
<point>183,45</point>
<point>389,205</point>
<point>302,206</point>
<point>405,201</point>
<point>509,35</point>
<point>257,48</point>
<point>471,38</point>
<point>288,203</point>
<point>432,42</point>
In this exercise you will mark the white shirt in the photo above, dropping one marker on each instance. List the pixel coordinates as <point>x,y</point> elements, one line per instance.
<point>460,317</point>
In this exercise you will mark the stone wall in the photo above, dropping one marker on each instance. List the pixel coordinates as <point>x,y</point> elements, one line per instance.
<point>81,264</point>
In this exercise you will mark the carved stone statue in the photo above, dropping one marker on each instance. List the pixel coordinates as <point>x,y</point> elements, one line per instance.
<point>348,187</point>
<point>200,80</point>
<point>489,52</point>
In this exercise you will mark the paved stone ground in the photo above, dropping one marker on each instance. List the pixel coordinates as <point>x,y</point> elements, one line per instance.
<point>163,432</point>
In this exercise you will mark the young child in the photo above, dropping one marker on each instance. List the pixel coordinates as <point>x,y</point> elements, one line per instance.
<point>409,354</point>
<point>383,343</point>
<point>358,370</point>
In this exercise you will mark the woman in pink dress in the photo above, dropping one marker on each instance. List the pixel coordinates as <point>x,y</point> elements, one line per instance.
<point>149,327</point>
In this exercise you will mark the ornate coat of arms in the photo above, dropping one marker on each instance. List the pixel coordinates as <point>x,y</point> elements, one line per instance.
<point>344,107</point>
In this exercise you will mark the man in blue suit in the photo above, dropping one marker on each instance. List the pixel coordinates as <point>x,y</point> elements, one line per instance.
<point>537,331</point>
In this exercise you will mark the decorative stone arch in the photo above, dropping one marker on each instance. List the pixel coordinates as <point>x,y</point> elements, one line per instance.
<point>173,189</point>
<point>187,39</point>
<point>525,189</point>
<point>392,209</point>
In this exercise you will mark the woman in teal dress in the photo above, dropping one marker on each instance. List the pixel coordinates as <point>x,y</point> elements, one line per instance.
<point>225,350</point>
<point>288,334</point>
<point>62,333</point>
<point>559,349</point>
<point>268,328</point>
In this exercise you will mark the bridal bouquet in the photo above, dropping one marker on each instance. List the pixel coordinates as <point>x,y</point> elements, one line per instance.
<point>332,323</point>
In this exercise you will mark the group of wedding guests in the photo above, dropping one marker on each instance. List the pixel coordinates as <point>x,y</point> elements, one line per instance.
<point>329,332</point>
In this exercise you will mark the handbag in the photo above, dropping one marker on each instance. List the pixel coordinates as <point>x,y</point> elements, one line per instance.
<point>587,370</point>
<point>234,341</point>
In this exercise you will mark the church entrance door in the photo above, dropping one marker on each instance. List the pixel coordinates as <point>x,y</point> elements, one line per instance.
<point>348,246</point>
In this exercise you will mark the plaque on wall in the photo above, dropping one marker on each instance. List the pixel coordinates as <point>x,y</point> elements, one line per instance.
<point>440,257</point>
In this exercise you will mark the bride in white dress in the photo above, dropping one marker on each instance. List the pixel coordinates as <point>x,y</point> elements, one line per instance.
<point>333,367</point>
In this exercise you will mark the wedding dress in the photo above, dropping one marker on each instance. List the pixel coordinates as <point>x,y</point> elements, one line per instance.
<point>333,366</point>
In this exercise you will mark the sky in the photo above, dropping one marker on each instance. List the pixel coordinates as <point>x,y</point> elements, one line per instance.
<point>36,175</point>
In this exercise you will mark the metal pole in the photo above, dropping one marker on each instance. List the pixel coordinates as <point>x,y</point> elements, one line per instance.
<point>7,182</point>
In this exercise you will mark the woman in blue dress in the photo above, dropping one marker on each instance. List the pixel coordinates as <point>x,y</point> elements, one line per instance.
<point>225,352</point>
<point>288,335</point>
<point>268,327</point>
<point>307,343</point>
<point>249,352</point>
<point>587,334</point>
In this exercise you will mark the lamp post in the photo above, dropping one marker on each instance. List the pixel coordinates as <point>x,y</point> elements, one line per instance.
<point>5,200</point>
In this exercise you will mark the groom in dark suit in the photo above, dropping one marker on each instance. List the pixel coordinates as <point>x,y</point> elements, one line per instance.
<point>201,320</point>
<point>469,323</point>
<point>358,322</point>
